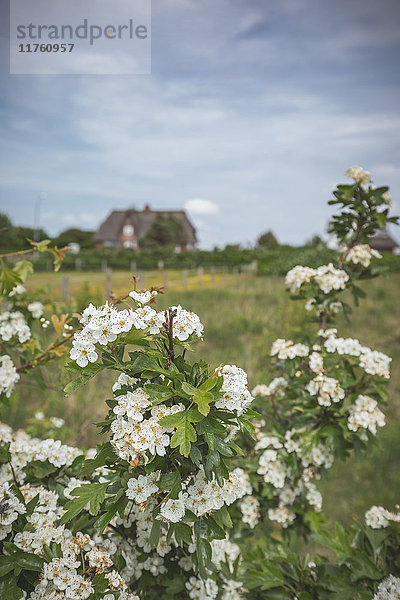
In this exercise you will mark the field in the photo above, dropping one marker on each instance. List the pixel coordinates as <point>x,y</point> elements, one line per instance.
<point>242,315</point>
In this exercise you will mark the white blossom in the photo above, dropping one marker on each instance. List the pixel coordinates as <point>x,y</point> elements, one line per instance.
<point>365,414</point>
<point>36,308</point>
<point>8,375</point>
<point>359,175</point>
<point>362,254</point>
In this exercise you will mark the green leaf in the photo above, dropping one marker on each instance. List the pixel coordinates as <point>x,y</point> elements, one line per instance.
<point>5,455</point>
<point>203,553</point>
<point>223,447</point>
<point>9,278</point>
<point>155,533</point>
<point>136,337</point>
<point>23,268</point>
<point>118,504</point>
<point>211,425</point>
<point>172,420</point>
<point>158,393</point>
<point>209,384</point>
<point>203,400</point>
<point>189,389</point>
<point>29,561</point>
<point>39,469</point>
<point>9,588</point>
<point>184,435</point>
<point>105,454</point>
<point>7,564</point>
<point>170,482</point>
<point>174,586</point>
<point>222,516</point>
<point>85,374</point>
<point>92,493</point>
<point>143,362</point>
<point>183,533</point>
<point>196,456</point>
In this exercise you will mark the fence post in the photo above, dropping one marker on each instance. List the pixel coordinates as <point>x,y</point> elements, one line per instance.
<point>140,279</point>
<point>165,280</point>
<point>66,288</point>
<point>212,273</point>
<point>184,279</point>
<point>78,264</point>
<point>200,276</point>
<point>104,265</point>
<point>108,282</point>
<point>133,267</point>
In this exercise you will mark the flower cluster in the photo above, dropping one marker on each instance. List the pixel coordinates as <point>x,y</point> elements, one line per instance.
<point>36,309</point>
<point>8,375</point>
<point>284,349</point>
<point>291,478</point>
<point>275,388</point>
<point>102,325</point>
<point>327,390</point>
<point>327,277</point>
<point>185,324</point>
<point>202,496</point>
<point>359,175</point>
<point>236,396</point>
<point>250,508</point>
<point>362,254</point>
<point>35,513</point>
<point>142,298</point>
<point>378,517</point>
<point>132,433</point>
<point>388,589</point>
<point>372,361</point>
<point>10,508</point>
<point>25,450</point>
<point>365,414</point>
<point>13,324</point>
<point>297,276</point>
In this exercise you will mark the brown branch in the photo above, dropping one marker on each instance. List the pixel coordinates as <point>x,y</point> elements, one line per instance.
<point>17,253</point>
<point>32,363</point>
<point>168,326</point>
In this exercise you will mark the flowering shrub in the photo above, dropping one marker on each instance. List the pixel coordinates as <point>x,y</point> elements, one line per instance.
<point>324,403</point>
<point>173,500</point>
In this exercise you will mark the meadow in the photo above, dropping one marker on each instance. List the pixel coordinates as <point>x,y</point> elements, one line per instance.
<point>242,314</point>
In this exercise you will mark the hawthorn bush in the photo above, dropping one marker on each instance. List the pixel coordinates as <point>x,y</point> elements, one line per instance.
<point>202,489</point>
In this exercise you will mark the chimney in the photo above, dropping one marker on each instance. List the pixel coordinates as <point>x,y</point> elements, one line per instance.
<point>147,208</point>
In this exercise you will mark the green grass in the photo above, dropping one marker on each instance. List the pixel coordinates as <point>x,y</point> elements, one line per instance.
<point>241,321</point>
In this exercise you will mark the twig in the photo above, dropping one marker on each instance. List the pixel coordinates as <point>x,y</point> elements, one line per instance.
<point>33,362</point>
<point>17,253</point>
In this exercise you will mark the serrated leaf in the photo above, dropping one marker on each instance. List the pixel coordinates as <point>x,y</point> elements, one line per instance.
<point>105,454</point>
<point>158,393</point>
<point>92,493</point>
<point>85,374</point>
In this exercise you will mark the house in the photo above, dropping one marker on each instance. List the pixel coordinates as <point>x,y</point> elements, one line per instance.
<point>126,228</point>
<point>381,241</point>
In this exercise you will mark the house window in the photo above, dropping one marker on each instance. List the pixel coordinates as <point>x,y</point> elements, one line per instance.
<point>128,230</point>
<point>129,244</point>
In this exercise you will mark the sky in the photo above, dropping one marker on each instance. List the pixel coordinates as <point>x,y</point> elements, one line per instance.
<point>252,113</point>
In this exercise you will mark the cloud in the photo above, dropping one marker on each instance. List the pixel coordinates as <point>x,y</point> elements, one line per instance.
<point>200,206</point>
<point>265,127</point>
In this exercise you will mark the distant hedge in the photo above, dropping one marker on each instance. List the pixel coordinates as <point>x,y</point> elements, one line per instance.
<point>269,261</point>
